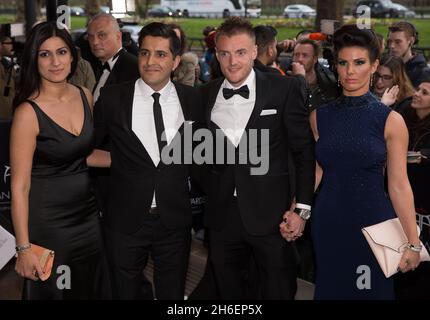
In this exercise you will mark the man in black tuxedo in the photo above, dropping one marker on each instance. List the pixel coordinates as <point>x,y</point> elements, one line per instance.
<point>116,64</point>
<point>245,209</point>
<point>149,209</point>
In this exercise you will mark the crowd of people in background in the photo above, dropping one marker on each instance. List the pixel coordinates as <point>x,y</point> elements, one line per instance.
<point>61,93</point>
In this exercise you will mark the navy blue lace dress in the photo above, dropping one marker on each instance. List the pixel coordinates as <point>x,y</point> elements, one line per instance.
<point>352,153</point>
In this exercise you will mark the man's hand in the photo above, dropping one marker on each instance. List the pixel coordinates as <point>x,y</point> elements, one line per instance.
<point>298,68</point>
<point>292,226</point>
<point>287,45</point>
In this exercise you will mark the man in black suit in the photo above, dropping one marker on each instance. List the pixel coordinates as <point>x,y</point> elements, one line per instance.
<point>245,208</point>
<point>116,64</point>
<point>149,209</point>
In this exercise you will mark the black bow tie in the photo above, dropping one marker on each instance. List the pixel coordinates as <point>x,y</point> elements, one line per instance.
<point>106,66</point>
<point>243,91</point>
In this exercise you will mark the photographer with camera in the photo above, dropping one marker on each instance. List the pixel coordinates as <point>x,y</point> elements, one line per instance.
<point>7,77</point>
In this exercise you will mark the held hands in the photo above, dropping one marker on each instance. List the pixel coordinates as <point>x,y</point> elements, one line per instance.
<point>292,226</point>
<point>390,95</point>
<point>409,261</point>
<point>27,265</point>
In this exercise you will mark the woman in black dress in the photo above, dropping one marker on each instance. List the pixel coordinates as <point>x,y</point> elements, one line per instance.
<point>52,199</point>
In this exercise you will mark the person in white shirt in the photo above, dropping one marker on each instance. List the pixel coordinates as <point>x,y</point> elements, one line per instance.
<point>149,209</point>
<point>245,209</point>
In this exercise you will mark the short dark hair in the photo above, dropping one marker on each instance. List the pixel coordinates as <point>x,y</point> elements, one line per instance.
<point>234,26</point>
<point>405,26</point>
<point>350,35</point>
<point>158,29</point>
<point>183,37</point>
<point>264,37</point>
<point>303,32</point>
<point>29,76</point>
<point>313,43</point>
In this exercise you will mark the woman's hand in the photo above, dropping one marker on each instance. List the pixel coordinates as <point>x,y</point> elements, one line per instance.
<point>27,265</point>
<point>390,95</point>
<point>409,261</point>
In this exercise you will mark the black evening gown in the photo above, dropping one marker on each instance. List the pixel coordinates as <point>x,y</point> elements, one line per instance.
<point>63,213</point>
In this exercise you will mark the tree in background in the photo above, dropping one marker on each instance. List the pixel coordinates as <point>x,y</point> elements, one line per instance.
<point>92,7</point>
<point>329,9</point>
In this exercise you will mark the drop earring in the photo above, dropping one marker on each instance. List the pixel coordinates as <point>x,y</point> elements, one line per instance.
<point>371,80</point>
<point>338,82</point>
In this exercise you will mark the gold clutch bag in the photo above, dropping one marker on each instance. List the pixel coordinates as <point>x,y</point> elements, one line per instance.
<point>388,241</point>
<point>46,260</point>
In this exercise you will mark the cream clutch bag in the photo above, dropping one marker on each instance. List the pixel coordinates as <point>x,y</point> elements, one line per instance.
<point>388,241</point>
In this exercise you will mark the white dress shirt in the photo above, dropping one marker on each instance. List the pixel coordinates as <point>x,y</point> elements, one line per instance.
<point>143,124</point>
<point>232,115</point>
<point>105,75</point>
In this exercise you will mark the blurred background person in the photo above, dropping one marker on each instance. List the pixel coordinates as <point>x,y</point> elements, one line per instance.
<point>185,73</point>
<point>391,72</point>
<point>416,284</point>
<point>321,81</point>
<point>84,74</point>
<point>265,39</point>
<point>7,77</point>
<point>401,37</point>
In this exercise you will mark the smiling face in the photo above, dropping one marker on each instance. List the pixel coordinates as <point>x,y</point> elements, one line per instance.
<point>54,60</point>
<point>421,99</point>
<point>355,69</point>
<point>236,55</point>
<point>156,61</point>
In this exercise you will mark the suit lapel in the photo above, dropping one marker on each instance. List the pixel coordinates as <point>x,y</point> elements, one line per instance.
<point>261,96</point>
<point>112,79</point>
<point>213,90</point>
<point>127,98</point>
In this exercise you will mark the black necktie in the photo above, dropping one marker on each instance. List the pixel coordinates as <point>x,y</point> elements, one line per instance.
<point>158,118</point>
<point>243,91</point>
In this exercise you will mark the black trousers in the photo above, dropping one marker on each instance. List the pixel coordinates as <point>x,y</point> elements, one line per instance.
<point>128,255</point>
<point>231,250</point>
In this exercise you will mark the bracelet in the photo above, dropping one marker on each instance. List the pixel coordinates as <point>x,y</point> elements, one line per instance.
<point>22,247</point>
<point>414,248</point>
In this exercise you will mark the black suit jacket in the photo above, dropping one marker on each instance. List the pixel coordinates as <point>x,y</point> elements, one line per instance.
<point>125,69</point>
<point>263,199</point>
<point>134,177</point>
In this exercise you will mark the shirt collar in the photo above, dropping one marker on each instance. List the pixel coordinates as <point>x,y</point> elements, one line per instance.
<point>249,82</point>
<point>114,58</point>
<point>146,91</point>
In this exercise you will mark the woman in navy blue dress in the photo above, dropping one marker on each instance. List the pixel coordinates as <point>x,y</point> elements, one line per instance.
<point>357,136</point>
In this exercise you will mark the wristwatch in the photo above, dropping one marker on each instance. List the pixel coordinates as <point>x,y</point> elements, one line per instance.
<point>305,214</point>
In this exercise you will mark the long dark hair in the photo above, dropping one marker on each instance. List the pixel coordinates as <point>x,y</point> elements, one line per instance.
<point>416,126</point>
<point>30,80</point>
